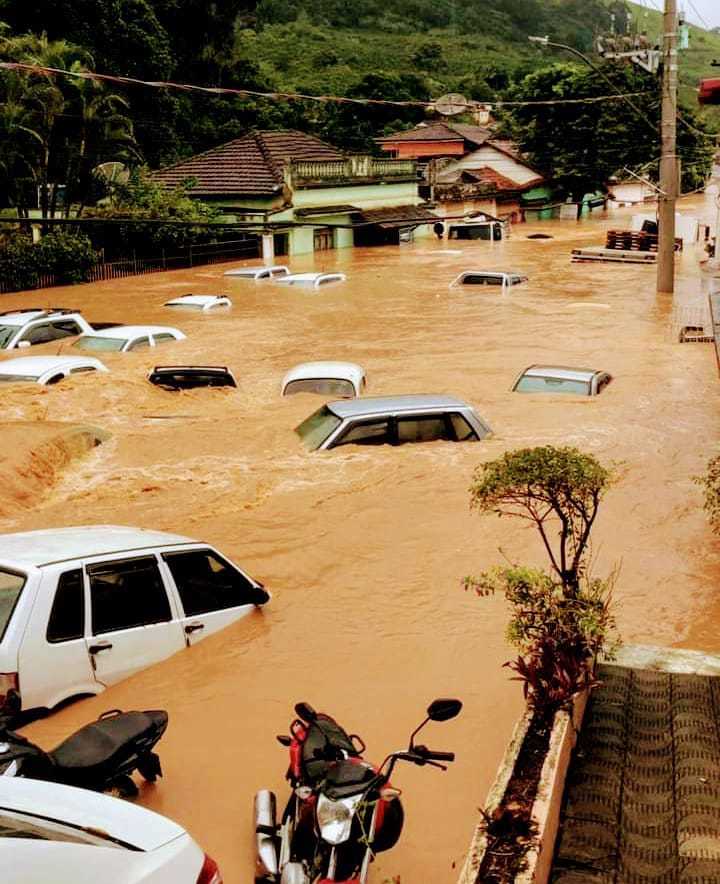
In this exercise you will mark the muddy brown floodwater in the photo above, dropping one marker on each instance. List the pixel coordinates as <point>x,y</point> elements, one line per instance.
<point>364,550</point>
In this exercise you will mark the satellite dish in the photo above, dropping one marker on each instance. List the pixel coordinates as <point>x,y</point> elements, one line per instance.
<point>451,104</point>
<point>113,173</point>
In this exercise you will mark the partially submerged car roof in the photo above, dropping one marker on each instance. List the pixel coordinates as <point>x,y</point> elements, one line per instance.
<point>131,331</point>
<point>28,314</point>
<point>509,277</point>
<point>49,545</point>
<point>180,377</point>
<point>348,371</point>
<point>201,301</point>
<point>561,372</point>
<point>262,272</point>
<point>311,279</point>
<point>370,405</point>
<point>35,366</point>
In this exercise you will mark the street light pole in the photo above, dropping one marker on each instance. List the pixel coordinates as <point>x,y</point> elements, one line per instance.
<point>668,154</point>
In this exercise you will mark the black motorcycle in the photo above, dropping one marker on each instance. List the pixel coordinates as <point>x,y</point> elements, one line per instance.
<point>101,756</point>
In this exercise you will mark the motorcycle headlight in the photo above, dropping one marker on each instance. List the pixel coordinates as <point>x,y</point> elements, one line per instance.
<point>335,818</point>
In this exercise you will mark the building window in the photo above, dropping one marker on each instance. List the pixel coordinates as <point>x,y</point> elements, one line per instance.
<point>323,239</point>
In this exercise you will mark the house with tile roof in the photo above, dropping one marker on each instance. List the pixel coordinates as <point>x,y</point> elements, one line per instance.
<point>304,194</point>
<point>468,170</point>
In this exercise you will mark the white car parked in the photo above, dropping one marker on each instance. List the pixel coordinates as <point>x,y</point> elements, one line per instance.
<point>488,277</point>
<point>36,325</point>
<point>124,338</point>
<point>83,608</point>
<point>51,834</point>
<point>46,369</point>
<point>313,280</point>
<point>335,379</point>
<point>200,303</point>
<point>257,273</point>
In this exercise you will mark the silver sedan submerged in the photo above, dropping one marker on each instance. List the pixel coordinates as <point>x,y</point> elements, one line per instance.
<point>560,379</point>
<point>392,420</point>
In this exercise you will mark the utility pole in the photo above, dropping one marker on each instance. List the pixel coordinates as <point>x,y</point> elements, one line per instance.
<point>668,157</point>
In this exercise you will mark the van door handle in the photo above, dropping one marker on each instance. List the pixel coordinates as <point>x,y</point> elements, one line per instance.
<point>193,627</point>
<point>101,646</point>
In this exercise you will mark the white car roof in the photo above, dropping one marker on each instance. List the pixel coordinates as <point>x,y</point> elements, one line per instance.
<point>80,807</point>
<point>199,300</point>
<point>369,405</point>
<point>133,331</point>
<point>49,545</point>
<point>491,273</point>
<point>348,371</point>
<point>34,366</point>
<point>254,272</point>
<point>22,317</point>
<point>311,278</point>
<point>560,373</point>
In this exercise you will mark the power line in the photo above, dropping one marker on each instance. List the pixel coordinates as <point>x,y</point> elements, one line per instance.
<point>291,96</point>
<point>697,13</point>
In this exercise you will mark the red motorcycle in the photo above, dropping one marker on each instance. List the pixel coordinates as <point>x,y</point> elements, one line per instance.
<point>342,810</point>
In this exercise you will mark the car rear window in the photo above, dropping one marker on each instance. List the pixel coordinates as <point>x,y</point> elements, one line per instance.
<point>315,429</point>
<point>481,279</point>
<point>528,384</point>
<point>11,585</point>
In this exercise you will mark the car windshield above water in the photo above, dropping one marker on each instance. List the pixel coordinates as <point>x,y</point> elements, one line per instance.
<point>333,379</point>
<point>189,377</point>
<point>558,379</point>
<point>392,420</point>
<point>488,278</point>
<point>257,273</point>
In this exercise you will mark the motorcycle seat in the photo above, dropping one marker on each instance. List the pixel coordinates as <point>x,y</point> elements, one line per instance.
<point>96,749</point>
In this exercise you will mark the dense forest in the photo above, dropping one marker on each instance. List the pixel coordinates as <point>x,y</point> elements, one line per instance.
<point>57,129</point>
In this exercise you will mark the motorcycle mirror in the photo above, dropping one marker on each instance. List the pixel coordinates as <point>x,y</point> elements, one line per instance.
<point>443,709</point>
<point>306,712</point>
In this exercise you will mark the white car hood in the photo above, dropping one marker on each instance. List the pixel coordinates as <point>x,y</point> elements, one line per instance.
<point>79,807</point>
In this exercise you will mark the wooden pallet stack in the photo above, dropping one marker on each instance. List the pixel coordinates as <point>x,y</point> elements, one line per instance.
<point>635,241</point>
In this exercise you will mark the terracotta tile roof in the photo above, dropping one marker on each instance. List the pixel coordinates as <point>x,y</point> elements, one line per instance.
<point>248,166</point>
<point>398,216</point>
<point>441,132</point>
<point>327,210</point>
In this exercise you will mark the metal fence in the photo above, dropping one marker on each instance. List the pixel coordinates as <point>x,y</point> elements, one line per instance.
<point>194,256</point>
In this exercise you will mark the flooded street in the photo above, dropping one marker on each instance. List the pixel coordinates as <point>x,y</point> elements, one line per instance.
<point>364,549</point>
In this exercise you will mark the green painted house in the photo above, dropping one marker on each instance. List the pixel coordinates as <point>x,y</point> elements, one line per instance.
<point>306,195</point>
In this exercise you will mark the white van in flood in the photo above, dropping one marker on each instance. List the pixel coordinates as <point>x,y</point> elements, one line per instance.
<point>82,608</point>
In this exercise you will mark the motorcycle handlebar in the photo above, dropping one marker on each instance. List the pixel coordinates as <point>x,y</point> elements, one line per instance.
<point>433,754</point>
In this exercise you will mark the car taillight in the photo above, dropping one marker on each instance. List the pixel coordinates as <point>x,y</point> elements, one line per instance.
<point>209,873</point>
<point>9,689</point>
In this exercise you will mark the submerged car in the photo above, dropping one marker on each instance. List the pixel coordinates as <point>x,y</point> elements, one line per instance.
<point>46,369</point>
<point>312,280</point>
<point>189,377</point>
<point>125,338</point>
<point>486,277</point>
<point>84,608</point>
<point>391,420</point>
<point>559,379</point>
<point>74,836</point>
<point>256,273</point>
<point>39,325</point>
<point>200,303</point>
<point>341,379</point>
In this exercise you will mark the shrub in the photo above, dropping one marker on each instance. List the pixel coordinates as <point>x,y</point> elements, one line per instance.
<point>68,257</point>
<point>710,483</point>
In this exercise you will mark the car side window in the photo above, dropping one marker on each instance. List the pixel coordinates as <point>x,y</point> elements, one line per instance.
<point>164,338</point>
<point>82,368</point>
<point>375,432</point>
<point>463,430</point>
<point>422,429</point>
<point>127,593</point>
<point>39,334</point>
<point>139,344</point>
<point>67,617</point>
<point>64,329</point>
<point>206,582</point>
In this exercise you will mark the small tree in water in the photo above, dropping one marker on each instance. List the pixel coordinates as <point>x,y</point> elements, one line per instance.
<point>710,484</point>
<point>561,619</point>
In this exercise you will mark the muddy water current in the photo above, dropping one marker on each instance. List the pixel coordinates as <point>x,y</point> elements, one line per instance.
<point>364,549</point>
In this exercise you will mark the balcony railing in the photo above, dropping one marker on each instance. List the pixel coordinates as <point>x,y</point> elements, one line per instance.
<point>357,168</point>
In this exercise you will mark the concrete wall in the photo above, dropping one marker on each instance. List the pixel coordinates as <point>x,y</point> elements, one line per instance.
<point>364,196</point>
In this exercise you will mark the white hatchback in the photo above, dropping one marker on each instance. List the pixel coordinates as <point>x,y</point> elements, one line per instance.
<point>63,835</point>
<point>83,608</point>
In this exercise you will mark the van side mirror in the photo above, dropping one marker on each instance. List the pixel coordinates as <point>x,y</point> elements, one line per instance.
<point>443,709</point>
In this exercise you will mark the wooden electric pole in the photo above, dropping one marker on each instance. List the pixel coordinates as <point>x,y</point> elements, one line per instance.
<point>668,156</point>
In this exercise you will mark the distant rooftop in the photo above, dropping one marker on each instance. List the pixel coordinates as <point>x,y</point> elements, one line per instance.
<point>248,166</point>
<point>475,135</point>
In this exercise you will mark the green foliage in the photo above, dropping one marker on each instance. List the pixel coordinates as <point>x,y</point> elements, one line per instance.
<point>560,620</point>
<point>710,483</point>
<point>547,485</point>
<point>68,257</point>
<point>430,56</point>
